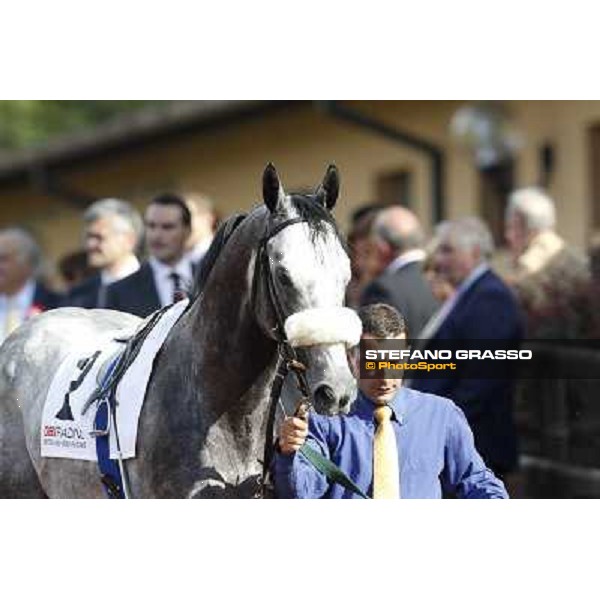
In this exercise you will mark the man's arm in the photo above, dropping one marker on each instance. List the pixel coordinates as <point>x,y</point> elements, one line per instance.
<point>465,473</point>
<point>293,475</point>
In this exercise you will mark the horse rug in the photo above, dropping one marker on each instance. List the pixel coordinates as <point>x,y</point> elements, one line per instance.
<point>66,428</point>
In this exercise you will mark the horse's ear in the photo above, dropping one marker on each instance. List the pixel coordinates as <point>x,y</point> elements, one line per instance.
<point>273,193</point>
<point>329,190</point>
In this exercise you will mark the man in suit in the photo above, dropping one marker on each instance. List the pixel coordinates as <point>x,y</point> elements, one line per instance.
<point>113,230</point>
<point>398,237</point>
<point>164,278</point>
<point>482,308</point>
<point>21,295</point>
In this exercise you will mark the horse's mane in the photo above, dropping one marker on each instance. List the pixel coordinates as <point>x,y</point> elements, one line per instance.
<point>317,216</point>
<point>308,208</point>
<point>210,258</point>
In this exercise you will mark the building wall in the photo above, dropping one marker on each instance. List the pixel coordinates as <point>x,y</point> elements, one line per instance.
<point>566,126</point>
<point>227,165</point>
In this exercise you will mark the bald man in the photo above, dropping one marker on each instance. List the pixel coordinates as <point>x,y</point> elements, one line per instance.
<point>398,238</point>
<point>21,296</point>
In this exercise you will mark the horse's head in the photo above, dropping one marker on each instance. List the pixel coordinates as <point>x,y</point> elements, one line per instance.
<point>300,276</point>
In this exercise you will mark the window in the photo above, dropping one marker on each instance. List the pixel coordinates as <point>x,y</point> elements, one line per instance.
<point>495,184</point>
<point>395,187</point>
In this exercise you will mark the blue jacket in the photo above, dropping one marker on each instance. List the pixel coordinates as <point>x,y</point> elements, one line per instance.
<point>486,310</point>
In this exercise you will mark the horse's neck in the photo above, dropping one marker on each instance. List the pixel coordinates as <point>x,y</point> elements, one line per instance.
<point>234,357</point>
<point>235,364</point>
<point>233,352</point>
<point>210,386</point>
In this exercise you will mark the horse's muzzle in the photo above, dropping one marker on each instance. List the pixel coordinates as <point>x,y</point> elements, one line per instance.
<point>326,402</point>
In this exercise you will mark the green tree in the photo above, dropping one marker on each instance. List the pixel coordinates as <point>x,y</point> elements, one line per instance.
<point>31,123</point>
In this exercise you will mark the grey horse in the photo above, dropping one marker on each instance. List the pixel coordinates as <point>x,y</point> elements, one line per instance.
<point>202,427</point>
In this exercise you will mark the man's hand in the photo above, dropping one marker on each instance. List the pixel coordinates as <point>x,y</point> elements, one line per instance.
<point>292,434</point>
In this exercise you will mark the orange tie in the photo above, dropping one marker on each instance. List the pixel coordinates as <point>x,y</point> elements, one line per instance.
<point>386,471</point>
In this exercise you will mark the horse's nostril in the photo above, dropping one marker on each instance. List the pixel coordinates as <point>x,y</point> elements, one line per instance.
<point>324,395</point>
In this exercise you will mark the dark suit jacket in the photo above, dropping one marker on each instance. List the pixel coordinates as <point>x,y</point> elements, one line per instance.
<point>45,299</point>
<point>135,294</point>
<point>487,310</point>
<point>406,290</point>
<point>84,295</point>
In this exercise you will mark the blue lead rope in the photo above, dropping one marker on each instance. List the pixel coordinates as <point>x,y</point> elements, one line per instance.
<point>109,469</point>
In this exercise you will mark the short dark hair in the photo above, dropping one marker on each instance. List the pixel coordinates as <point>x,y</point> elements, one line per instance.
<point>382,321</point>
<point>170,199</point>
<point>366,210</point>
<point>362,227</point>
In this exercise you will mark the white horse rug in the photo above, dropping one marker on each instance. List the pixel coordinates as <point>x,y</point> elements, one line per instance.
<point>66,432</point>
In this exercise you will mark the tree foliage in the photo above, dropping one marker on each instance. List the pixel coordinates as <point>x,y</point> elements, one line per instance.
<point>31,123</point>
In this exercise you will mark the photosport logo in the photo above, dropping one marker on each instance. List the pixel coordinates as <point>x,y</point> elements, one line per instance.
<point>481,359</point>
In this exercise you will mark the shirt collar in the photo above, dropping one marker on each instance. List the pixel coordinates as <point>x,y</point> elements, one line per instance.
<point>474,275</point>
<point>410,256</point>
<point>183,267</point>
<point>23,298</point>
<point>130,266</point>
<point>364,407</point>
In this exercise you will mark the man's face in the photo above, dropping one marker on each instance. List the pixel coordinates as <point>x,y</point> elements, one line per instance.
<point>384,253</point>
<point>454,263</point>
<point>379,391</point>
<point>365,259</point>
<point>107,241</point>
<point>516,234</point>
<point>441,288</point>
<point>14,267</point>
<point>166,235</point>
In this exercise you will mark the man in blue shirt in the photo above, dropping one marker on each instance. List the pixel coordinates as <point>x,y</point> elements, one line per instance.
<point>435,445</point>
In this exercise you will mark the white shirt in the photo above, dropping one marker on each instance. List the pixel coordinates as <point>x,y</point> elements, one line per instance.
<point>163,281</point>
<point>130,266</point>
<point>410,256</point>
<point>20,303</point>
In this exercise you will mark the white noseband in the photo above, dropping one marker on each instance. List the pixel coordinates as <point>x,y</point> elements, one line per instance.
<point>323,326</point>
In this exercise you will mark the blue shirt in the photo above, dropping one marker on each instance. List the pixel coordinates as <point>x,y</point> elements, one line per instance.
<point>435,448</point>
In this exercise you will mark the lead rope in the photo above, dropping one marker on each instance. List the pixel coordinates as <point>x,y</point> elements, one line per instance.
<point>303,406</point>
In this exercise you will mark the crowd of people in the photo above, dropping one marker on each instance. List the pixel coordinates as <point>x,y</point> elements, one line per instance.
<point>452,286</point>
<point>554,284</point>
<point>439,288</point>
<point>128,262</point>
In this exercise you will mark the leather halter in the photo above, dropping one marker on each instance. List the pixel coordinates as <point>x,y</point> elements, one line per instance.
<point>288,360</point>
<point>263,265</point>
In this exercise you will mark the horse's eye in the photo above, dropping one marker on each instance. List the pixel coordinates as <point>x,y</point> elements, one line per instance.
<point>284,278</point>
